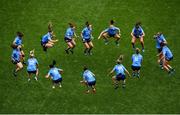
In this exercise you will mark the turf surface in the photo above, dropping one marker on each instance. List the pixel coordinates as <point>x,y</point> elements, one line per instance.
<point>154,92</point>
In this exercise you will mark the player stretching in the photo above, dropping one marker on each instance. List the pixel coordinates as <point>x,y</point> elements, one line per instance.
<point>111,31</point>
<point>136,63</point>
<point>159,37</point>
<point>47,41</point>
<point>87,38</point>
<point>119,70</point>
<point>89,80</point>
<point>167,57</point>
<point>69,38</point>
<point>16,57</point>
<point>55,74</point>
<point>18,42</point>
<point>32,66</point>
<point>138,33</point>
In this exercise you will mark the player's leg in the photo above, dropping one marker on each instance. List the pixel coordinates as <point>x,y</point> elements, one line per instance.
<point>23,57</point>
<point>142,43</point>
<point>73,44</point>
<point>133,71</point>
<point>19,66</point>
<point>124,83</point>
<point>29,76</point>
<point>86,45</point>
<point>117,37</point>
<point>36,74</point>
<point>91,47</point>
<point>105,37</point>
<point>133,42</point>
<point>49,45</point>
<point>69,46</point>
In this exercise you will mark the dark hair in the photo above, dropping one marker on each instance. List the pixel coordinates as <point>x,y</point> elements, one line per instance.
<point>85,68</point>
<point>54,62</point>
<point>71,25</point>
<point>51,66</point>
<point>87,24</point>
<point>138,24</point>
<point>137,51</point>
<point>20,34</point>
<point>14,46</point>
<point>111,21</point>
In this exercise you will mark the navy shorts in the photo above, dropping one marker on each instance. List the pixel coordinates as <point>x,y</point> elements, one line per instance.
<point>120,77</point>
<point>169,59</point>
<point>32,72</point>
<point>134,68</point>
<point>111,35</point>
<point>67,39</point>
<point>136,36</point>
<point>43,43</point>
<point>86,40</point>
<point>57,81</point>
<point>92,83</point>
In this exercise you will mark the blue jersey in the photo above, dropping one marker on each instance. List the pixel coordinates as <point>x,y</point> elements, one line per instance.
<point>18,41</point>
<point>86,33</point>
<point>112,30</point>
<point>54,73</point>
<point>88,76</point>
<point>32,64</point>
<point>137,31</point>
<point>69,33</point>
<point>16,55</point>
<point>167,52</point>
<point>160,39</point>
<point>119,69</point>
<point>46,38</point>
<point>137,60</point>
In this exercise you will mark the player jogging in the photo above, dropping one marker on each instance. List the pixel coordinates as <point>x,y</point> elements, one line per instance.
<point>136,63</point>
<point>18,42</point>
<point>159,37</point>
<point>138,33</point>
<point>87,38</point>
<point>111,31</point>
<point>15,58</point>
<point>89,80</point>
<point>32,66</point>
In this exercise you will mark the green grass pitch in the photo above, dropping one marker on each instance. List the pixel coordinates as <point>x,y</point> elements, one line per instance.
<point>154,92</point>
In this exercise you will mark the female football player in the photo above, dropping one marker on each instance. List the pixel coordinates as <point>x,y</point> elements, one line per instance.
<point>87,38</point>
<point>111,31</point>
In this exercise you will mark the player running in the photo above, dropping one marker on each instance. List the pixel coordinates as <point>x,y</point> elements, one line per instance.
<point>138,33</point>
<point>119,70</point>
<point>87,38</point>
<point>69,38</point>
<point>89,80</point>
<point>111,31</point>
<point>136,63</point>
<point>32,66</point>
<point>159,37</point>
<point>47,41</point>
<point>18,42</point>
<point>16,59</point>
<point>55,74</point>
<point>167,57</point>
